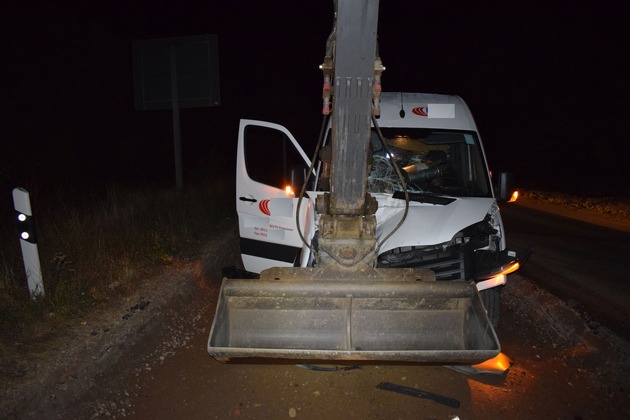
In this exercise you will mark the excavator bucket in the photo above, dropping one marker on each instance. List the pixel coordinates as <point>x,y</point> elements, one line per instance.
<point>299,315</point>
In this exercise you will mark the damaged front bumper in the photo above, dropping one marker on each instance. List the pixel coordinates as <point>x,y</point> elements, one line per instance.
<point>504,263</point>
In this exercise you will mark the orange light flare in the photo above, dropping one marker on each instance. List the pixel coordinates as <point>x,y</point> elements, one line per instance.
<point>288,190</point>
<point>511,268</point>
<point>498,364</point>
<point>514,197</point>
<point>501,389</point>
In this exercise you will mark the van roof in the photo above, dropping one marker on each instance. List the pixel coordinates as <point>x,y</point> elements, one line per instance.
<point>425,110</point>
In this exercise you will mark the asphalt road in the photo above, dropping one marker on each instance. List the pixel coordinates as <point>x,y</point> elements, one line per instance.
<point>585,265</point>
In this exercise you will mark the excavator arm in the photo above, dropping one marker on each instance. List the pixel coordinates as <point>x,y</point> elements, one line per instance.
<point>344,308</point>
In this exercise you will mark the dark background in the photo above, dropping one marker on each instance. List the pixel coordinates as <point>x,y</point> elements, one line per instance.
<point>547,84</point>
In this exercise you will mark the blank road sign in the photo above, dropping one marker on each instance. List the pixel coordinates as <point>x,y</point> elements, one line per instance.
<point>196,62</point>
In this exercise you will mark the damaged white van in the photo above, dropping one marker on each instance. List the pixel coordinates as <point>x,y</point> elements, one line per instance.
<point>441,214</point>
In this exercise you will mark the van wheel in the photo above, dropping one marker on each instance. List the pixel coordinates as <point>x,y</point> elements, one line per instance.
<point>491,299</point>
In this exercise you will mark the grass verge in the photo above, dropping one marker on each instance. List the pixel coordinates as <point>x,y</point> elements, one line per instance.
<point>94,248</point>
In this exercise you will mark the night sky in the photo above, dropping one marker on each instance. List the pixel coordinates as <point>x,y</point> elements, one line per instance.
<point>548,85</point>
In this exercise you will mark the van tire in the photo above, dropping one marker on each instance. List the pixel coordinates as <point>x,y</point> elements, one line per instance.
<point>491,299</point>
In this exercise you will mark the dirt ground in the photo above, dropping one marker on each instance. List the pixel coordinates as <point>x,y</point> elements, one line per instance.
<point>146,358</point>
<point>560,370</point>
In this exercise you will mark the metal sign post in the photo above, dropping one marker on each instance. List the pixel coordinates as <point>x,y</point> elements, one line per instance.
<point>28,242</point>
<point>177,138</point>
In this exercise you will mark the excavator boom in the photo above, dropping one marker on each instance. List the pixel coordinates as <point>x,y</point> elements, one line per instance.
<point>344,308</point>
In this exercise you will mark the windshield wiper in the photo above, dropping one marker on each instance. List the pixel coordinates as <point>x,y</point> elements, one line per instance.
<point>424,198</point>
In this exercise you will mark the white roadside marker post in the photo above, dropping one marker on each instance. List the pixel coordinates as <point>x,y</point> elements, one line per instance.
<point>28,242</point>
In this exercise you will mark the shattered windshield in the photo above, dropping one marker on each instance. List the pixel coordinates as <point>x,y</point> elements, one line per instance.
<point>432,161</point>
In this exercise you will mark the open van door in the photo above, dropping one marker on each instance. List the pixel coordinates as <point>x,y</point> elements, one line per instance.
<point>270,170</point>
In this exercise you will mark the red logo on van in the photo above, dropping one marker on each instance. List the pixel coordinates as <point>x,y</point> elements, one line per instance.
<point>264,207</point>
<point>421,110</point>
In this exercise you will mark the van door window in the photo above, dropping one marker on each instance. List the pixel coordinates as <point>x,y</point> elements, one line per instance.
<point>270,157</point>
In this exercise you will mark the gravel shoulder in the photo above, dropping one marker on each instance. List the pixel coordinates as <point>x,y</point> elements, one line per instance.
<point>44,379</point>
<point>611,212</point>
<point>48,377</point>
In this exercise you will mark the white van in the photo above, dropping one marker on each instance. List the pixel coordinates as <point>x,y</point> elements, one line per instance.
<point>453,225</point>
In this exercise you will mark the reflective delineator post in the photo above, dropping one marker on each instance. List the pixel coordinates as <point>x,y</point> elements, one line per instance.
<point>28,242</point>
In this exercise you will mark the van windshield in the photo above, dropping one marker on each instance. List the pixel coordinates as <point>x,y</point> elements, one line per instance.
<point>434,161</point>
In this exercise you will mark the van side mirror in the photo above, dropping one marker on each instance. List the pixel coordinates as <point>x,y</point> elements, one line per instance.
<point>505,187</point>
